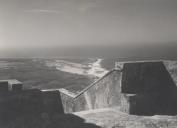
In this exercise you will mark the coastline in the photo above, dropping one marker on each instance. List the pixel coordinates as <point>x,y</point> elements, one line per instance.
<point>92,69</point>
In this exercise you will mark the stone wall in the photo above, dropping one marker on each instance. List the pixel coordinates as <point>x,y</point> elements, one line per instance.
<point>139,104</point>
<point>10,85</point>
<point>15,104</point>
<point>103,93</point>
<point>3,86</point>
<point>80,104</point>
<point>143,77</point>
<point>68,102</point>
<point>149,104</point>
<point>106,92</point>
<point>52,103</point>
<point>148,89</point>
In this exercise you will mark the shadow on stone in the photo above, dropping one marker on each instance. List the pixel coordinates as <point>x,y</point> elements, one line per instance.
<point>36,109</point>
<point>48,121</point>
<point>29,102</point>
<point>148,89</point>
<point>52,102</point>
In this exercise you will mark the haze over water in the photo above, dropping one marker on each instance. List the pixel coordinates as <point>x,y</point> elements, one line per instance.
<point>89,28</point>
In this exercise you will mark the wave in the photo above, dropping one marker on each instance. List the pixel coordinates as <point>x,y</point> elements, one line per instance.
<point>91,69</point>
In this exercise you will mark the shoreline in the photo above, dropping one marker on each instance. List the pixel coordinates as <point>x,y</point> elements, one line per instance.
<point>92,69</point>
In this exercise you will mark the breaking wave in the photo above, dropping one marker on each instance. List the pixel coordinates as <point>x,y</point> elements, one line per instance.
<point>93,69</point>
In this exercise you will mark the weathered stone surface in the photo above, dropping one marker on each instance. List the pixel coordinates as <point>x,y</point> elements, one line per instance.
<point>15,85</point>
<point>101,94</point>
<point>106,92</point>
<point>3,86</point>
<point>140,104</point>
<point>15,104</point>
<point>154,88</point>
<point>12,85</point>
<point>52,103</point>
<point>125,102</point>
<point>142,88</point>
<point>67,102</point>
<point>143,77</point>
<point>113,118</point>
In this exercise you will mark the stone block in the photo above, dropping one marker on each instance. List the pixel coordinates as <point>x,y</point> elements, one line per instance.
<point>15,85</point>
<point>3,86</point>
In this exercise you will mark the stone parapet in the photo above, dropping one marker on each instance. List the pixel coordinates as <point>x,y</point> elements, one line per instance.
<point>10,85</point>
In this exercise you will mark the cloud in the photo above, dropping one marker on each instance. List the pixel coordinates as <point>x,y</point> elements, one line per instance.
<point>43,11</point>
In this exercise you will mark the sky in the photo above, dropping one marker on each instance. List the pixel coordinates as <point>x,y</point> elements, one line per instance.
<point>45,24</point>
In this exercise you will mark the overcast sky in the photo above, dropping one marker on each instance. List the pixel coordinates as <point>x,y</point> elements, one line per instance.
<point>58,23</point>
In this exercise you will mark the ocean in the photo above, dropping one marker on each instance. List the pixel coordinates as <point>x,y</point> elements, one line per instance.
<point>73,74</point>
